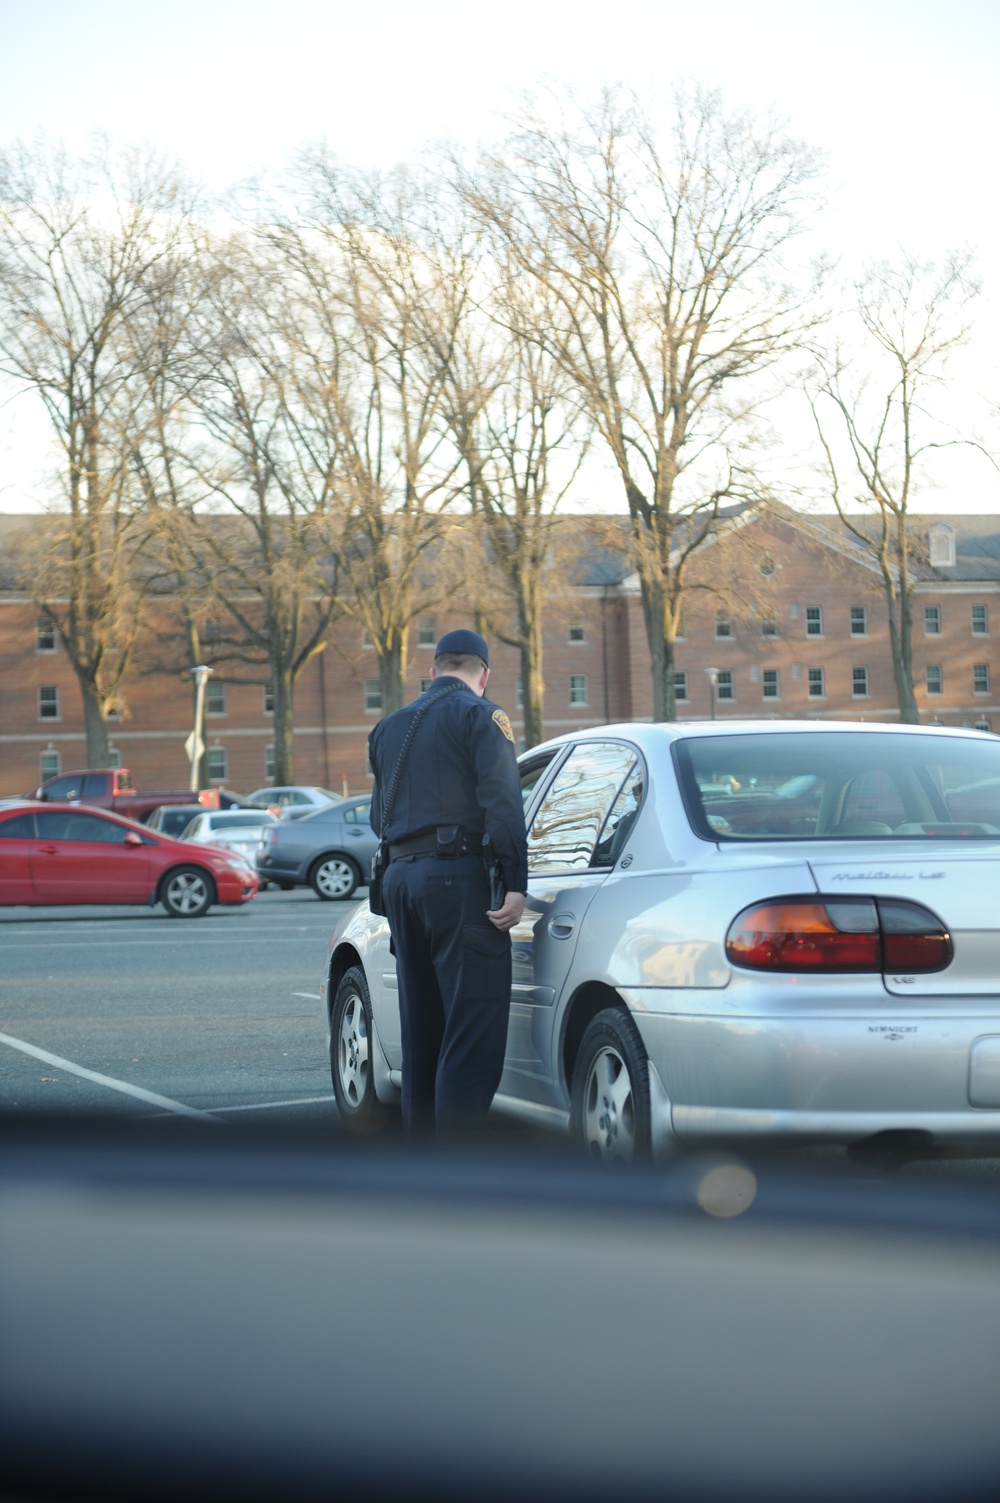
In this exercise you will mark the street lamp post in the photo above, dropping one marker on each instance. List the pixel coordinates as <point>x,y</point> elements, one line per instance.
<point>195,743</point>
<point>713,679</point>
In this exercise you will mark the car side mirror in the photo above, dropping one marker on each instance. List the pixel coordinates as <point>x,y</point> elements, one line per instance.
<point>131,838</point>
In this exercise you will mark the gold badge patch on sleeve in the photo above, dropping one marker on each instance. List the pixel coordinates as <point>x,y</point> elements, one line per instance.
<point>501,720</point>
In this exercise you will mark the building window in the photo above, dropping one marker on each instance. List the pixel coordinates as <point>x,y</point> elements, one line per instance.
<point>373,694</point>
<point>814,620</point>
<point>942,545</point>
<point>48,703</point>
<point>817,683</point>
<point>269,763</point>
<point>859,621</point>
<point>771,683</point>
<point>932,620</point>
<point>425,684</point>
<point>114,756</point>
<point>215,698</point>
<point>426,634</point>
<point>980,621</point>
<point>269,698</point>
<point>519,693</point>
<point>45,636</point>
<point>983,725</point>
<point>681,688</point>
<point>49,765</point>
<point>578,689</point>
<point>935,679</point>
<point>859,683</point>
<point>216,764</point>
<point>724,684</point>
<point>794,610</point>
<point>723,627</point>
<point>769,626</point>
<point>981,678</point>
<point>576,632</point>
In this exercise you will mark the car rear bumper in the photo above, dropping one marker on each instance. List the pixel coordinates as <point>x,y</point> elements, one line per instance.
<point>831,1079</point>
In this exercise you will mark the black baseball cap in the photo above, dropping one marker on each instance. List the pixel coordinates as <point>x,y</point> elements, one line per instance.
<point>463,641</point>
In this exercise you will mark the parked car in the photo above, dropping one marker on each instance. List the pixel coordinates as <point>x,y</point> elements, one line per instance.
<point>330,849</point>
<point>680,977</point>
<point>173,819</point>
<point>74,855</point>
<point>295,801</point>
<point>239,830</point>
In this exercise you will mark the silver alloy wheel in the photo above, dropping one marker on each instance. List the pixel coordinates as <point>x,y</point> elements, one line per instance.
<point>352,1051</point>
<point>608,1107</point>
<point>334,877</point>
<point>187,893</point>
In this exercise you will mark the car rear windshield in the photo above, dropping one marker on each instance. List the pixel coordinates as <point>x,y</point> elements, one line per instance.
<point>841,786</point>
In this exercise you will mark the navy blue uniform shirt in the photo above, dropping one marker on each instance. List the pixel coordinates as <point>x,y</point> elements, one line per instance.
<point>461,769</point>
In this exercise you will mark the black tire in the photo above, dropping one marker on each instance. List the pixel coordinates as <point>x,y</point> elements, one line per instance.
<point>351,1043</point>
<point>187,892</point>
<point>609,1113</point>
<point>334,877</point>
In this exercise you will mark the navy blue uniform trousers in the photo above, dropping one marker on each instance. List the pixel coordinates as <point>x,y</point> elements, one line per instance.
<point>454,974</point>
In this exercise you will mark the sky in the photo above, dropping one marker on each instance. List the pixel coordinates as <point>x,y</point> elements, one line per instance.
<point>900,98</point>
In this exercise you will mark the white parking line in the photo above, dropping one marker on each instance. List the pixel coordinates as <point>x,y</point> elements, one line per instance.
<point>268,1106</point>
<point>309,996</point>
<point>150,1097</point>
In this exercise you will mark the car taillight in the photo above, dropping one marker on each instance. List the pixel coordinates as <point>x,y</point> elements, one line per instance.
<point>912,938</point>
<point>838,934</point>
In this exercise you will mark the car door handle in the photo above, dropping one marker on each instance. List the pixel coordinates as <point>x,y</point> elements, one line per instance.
<point>562,926</point>
<point>49,850</point>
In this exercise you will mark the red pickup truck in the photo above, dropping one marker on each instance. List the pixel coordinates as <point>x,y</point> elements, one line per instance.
<point>111,788</point>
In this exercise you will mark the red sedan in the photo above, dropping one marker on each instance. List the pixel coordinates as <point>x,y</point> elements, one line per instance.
<point>76,855</point>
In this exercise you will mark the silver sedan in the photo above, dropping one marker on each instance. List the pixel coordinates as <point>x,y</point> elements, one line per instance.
<point>733,931</point>
<point>239,830</point>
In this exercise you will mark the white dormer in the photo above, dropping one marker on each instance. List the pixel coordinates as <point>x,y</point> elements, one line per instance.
<point>942,545</point>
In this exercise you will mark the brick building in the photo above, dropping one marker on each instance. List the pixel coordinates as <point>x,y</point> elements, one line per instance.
<point>784,617</point>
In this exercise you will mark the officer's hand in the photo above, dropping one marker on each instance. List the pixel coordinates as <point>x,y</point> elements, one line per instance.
<point>506,917</point>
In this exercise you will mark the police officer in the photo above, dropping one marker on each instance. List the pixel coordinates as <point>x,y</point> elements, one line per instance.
<point>458,784</point>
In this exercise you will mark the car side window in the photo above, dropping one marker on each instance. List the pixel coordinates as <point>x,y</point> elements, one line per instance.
<point>564,832</point>
<point>71,824</point>
<point>618,825</point>
<point>21,827</point>
<point>359,815</point>
<point>67,787</point>
<point>531,774</point>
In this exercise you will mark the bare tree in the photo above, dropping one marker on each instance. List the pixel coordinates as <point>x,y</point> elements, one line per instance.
<point>519,423</point>
<point>913,317</point>
<point>79,241</point>
<point>663,262</point>
<point>170,460</point>
<point>268,556</point>
<point>385,274</point>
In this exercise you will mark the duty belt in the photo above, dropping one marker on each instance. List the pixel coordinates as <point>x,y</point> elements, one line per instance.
<point>424,845</point>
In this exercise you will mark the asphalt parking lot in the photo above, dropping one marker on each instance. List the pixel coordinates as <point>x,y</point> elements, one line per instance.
<point>127,1010</point>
